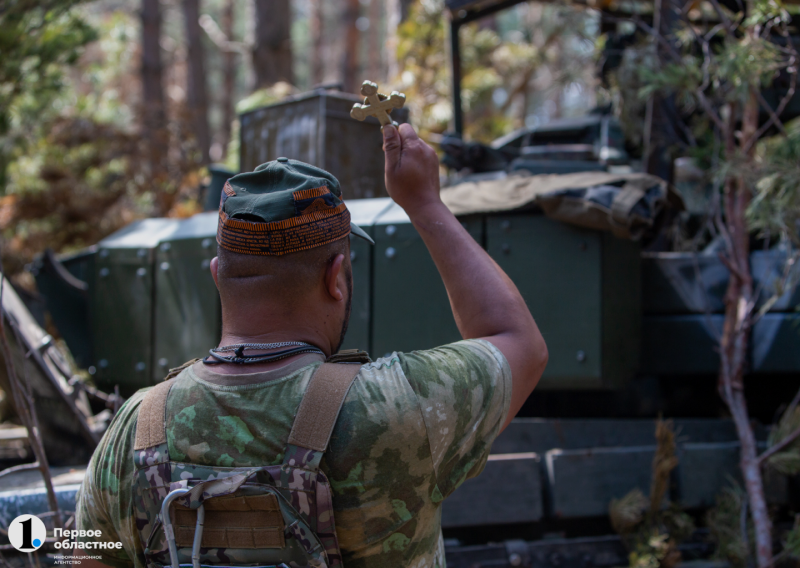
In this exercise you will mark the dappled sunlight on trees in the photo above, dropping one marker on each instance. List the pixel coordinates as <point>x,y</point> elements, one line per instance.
<point>76,161</point>
<point>518,69</point>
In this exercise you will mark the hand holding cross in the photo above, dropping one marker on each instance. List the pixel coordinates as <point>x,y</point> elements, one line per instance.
<point>377,105</point>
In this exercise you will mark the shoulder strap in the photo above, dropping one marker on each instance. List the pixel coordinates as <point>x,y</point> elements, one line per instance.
<point>350,356</point>
<point>150,424</point>
<point>321,404</point>
<point>177,370</point>
<point>312,425</point>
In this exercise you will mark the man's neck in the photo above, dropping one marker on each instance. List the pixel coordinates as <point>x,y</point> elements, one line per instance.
<point>235,337</point>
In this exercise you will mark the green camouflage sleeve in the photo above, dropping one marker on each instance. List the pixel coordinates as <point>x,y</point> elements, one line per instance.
<point>464,393</point>
<point>104,501</point>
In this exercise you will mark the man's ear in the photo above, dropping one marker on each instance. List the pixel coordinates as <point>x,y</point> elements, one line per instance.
<point>332,283</point>
<point>213,267</point>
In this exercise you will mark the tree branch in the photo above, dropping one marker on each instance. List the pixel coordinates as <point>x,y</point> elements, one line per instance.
<point>701,97</point>
<point>779,446</point>
<point>218,37</point>
<point>729,25</point>
<point>731,266</point>
<point>773,118</point>
<point>784,281</point>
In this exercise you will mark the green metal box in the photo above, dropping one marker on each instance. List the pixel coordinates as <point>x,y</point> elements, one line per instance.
<point>583,482</point>
<point>122,295</point>
<point>316,128</point>
<point>187,316</point>
<point>67,304</point>
<point>410,305</point>
<point>363,212</point>
<point>474,504</point>
<point>683,344</point>
<point>583,287</point>
<point>155,304</point>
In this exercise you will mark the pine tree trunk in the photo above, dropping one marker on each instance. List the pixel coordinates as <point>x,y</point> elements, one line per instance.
<point>393,21</point>
<point>154,120</point>
<point>272,53</point>
<point>229,76</point>
<point>397,12</point>
<point>196,92</point>
<point>316,19</point>
<point>351,44</point>
<point>736,328</point>
<point>376,70</point>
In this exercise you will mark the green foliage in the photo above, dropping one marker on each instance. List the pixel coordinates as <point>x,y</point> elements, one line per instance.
<point>423,56</point>
<point>671,78</point>
<point>627,513</point>
<point>725,524</point>
<point>231,160</point>
<point>712,74</point>
<point>721,67</point>
<point>653,551</point>
<point>786,461</point>
<point>767,12</point>
<point>792,542</point>
<point>651,538</point>
<point>625,89</point>
<point>650,530</point>
<point>775,208</point>
<point>737,62</point>
<point>37,41</point>
<point>265,97</point>
<point>501,68</point>
<point>74,170</point>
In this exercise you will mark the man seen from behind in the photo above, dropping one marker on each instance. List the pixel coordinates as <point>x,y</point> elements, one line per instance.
<point>412,426</point>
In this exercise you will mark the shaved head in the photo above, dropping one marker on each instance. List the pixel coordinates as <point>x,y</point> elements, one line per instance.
<point>289,277</point>
<point>289,280</point>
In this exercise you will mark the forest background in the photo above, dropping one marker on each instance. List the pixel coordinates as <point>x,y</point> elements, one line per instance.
<point>112,110</point>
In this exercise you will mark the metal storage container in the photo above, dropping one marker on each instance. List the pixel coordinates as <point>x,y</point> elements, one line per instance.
<point>316,128</point>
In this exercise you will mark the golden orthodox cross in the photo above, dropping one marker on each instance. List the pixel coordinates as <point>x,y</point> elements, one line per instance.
<point>376,104</point>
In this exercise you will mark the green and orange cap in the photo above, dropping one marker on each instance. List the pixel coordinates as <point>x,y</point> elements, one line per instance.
<point>281,207</point>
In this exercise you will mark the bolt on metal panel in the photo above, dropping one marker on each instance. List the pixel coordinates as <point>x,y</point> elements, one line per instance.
<point>122,305</point>
<point>411,309</point>
<point>122,319</point>
<point>557,269</point>
<point>187,317</point>
<point>363,212</point>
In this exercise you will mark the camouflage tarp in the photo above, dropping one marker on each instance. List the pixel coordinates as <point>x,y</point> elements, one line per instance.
<point>625,204</point>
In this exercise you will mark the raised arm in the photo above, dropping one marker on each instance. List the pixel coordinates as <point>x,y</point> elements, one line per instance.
<point>485,302</point>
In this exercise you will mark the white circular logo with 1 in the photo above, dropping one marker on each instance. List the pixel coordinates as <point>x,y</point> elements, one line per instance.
<point>27,533</point>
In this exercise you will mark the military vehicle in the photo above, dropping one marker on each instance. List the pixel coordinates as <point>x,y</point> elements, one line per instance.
<point>631,334</point>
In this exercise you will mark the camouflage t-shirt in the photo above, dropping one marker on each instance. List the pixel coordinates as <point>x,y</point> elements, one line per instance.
<point>413,427</point>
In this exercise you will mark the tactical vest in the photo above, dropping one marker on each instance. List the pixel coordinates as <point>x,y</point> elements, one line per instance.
<point>271,516</point>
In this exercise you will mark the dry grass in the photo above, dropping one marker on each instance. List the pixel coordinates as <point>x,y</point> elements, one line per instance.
<point>650,530</point>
